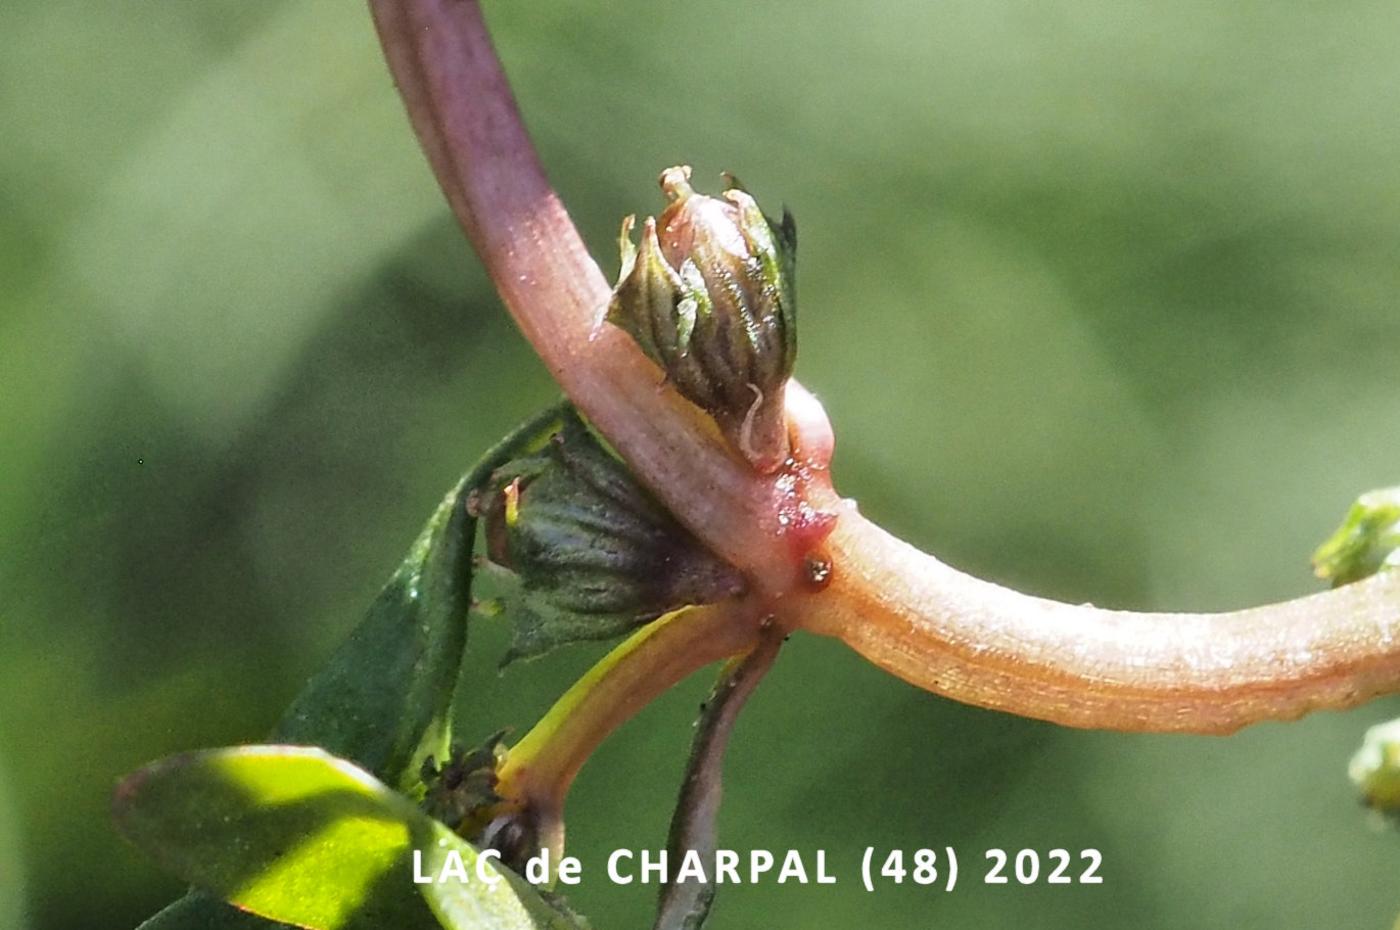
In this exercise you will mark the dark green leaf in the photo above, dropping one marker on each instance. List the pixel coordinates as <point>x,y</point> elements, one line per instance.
<point>384,699</point>
<point>199,910</point>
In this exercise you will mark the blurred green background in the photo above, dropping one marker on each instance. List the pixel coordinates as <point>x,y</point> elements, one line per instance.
<point>1100,295</point>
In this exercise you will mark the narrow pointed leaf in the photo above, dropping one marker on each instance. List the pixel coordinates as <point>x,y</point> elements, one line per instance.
<point>200,910</point>
<point>388,689</point>
<point>384,700</point>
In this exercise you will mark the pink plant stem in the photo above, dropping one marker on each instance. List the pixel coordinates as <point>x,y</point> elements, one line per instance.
<point>1083,666</point>
<point>462,109</point>
<point>902,609</point>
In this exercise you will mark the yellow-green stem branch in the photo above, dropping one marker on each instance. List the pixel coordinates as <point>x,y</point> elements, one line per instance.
<point>539,769</point>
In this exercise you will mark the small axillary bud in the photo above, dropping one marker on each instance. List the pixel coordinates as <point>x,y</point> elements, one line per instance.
<point>1366,542</point>
<point>459,788</point>
<point>709,295</point>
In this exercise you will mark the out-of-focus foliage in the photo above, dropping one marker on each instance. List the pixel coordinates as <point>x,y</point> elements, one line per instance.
<point>11,876</point>
<point>1375,769</point>
<point>1101,297</point>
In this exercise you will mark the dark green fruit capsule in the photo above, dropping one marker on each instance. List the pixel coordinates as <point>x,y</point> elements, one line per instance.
<point>709,296</point>
<point>596,556</point>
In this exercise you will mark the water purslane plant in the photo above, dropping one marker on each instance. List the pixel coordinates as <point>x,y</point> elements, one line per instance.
<point>680,499</point>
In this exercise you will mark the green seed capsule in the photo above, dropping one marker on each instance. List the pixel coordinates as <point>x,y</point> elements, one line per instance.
<point>596,556</point>
<point>708,295</point>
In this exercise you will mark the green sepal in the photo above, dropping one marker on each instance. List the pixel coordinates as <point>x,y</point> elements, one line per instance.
<point>1367,541</point>
<point>658,305</point>
<point>774,243</point>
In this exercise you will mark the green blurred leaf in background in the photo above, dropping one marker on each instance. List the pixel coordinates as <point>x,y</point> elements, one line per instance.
<point>12,889</point>
<point>1083,283</point>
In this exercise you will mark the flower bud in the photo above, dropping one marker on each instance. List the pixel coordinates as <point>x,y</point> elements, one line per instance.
<point>596,556</point>
<point>1367,541</point>
<point>708,295</point>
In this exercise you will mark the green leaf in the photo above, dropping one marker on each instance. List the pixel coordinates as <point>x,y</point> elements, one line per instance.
<point>199,910</point>
<point>1367,541</point>
<point>296,835</point>
<point>385,698</point>
<point>383,701</point>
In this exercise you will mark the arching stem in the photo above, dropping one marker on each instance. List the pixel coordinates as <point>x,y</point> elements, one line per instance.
<point>1084,666</point>
<point>909,613</point>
